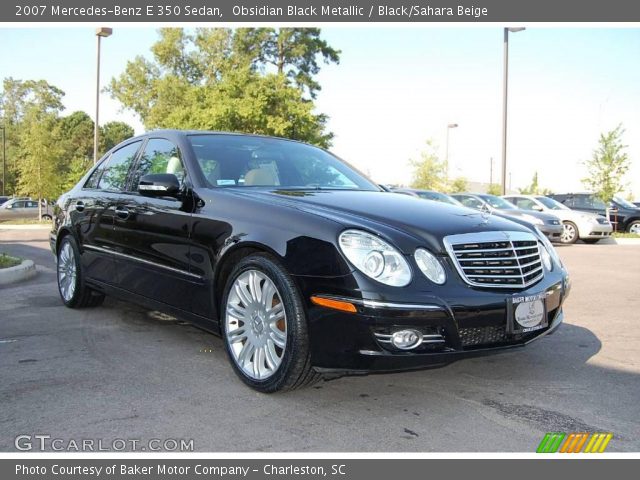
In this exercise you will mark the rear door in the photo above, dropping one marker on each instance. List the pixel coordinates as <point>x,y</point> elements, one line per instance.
<point>153,234</point>
<point>95,208</point>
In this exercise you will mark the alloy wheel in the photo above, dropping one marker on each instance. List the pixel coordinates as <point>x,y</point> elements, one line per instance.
<point>67,272</point>
<point>256,325</point>
<point>635,228</point>
<point>568,233</point>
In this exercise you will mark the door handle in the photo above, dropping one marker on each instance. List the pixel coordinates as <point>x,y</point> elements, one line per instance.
<point>122,212</point>
<point>79,206</point>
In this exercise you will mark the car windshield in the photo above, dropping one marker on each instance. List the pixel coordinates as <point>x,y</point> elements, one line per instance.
<point>623,202</point>
<point>552,204</point>
<point>438,197</point>
<point>253,161</point>
<point>499,203</point>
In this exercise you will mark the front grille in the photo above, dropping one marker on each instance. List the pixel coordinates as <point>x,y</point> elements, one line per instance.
<point>496,259</point>
<point>474,336</point>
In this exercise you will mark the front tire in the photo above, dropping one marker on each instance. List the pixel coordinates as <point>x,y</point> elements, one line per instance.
<point>591,241</point>
<point>634,227</point>
<point>73,291</point>
<point>569,233</point>
<point>264,327</point>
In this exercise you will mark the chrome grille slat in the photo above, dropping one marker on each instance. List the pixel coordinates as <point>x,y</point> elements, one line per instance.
<point>496,259</point>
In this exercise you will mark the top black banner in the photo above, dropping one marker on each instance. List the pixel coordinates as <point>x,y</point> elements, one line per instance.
<point>314,11</point>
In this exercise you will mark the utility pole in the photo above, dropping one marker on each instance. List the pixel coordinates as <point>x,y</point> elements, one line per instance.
<point>490,171</point>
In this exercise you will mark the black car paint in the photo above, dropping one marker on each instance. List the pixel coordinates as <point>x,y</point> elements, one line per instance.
<point>173,254</point>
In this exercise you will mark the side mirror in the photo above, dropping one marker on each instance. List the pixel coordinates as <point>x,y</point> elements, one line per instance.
<point>159,185</point>
<point>537,208</point>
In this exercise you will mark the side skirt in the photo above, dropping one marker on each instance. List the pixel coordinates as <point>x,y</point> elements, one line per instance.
<point>207,324</point>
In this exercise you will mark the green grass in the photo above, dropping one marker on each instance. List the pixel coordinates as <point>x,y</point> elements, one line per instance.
<point>625,235</point>
<point>24,221</point>
<point>6,261</point>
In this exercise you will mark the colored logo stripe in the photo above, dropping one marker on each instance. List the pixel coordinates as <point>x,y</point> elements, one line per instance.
<point>598,442</point>
<point>559,442</point>
<point>550,442</point>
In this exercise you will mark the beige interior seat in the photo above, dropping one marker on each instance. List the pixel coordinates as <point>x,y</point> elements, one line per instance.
<point>261,176</point>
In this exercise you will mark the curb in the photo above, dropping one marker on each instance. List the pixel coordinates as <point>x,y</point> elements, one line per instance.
<point>24,271</point>
<point>627,241</point>
<point>24,227</point>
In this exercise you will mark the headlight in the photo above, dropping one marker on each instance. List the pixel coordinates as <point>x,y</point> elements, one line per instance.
<point>430,266</point>
<point>375,258</point>
<point>532,219</point>
<point>546,258</point>
<point>551,251</point>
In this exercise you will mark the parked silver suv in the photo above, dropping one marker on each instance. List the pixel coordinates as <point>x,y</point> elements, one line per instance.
<point>585,226</point>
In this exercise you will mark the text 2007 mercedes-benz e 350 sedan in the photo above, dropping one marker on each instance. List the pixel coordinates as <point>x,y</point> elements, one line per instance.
<point>304,266</point>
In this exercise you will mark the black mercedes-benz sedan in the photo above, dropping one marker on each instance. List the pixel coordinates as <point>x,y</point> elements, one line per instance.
<point>304,266</point>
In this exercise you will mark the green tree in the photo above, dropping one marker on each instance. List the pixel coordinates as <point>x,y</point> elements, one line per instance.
<point>40,151</point>
<point>429,172</point>
<point>16,98</point>
<point>248,80</point>
<point>111,134</point>
<point>494,189</point>
<point>608,166</point>
<point>533,188</point>
<point>75,134</point>
<point>458,185</point>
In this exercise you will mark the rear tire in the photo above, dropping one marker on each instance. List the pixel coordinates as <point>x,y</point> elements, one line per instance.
<point>264,327</point>
<point>569,234</point>
<point>71,286</point>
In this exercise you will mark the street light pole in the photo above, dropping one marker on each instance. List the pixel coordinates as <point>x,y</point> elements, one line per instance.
<point>446,151</point>
<point>4,160</point>
<point>505,89</point>
<point>100,32</point>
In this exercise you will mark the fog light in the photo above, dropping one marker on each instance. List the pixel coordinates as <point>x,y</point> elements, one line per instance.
<point>406,339</point>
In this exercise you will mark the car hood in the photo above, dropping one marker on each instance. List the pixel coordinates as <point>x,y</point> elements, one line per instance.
<point>428,221</point>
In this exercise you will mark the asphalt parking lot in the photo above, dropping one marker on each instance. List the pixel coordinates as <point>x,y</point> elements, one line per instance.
<point>119,371</point>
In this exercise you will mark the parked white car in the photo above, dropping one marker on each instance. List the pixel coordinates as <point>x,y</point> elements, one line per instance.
<point>585,226</point>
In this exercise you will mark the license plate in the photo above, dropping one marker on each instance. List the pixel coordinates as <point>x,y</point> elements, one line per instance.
<point>528,313</point>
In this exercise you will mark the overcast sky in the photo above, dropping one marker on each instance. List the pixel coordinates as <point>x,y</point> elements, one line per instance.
<point>397,87</point>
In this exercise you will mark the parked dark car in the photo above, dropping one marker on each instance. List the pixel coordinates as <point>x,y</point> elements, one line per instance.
<point>301,264</point>
<point>548,224</point>
<point>3,200</point>
<point>428,195</point>
<point>624,215</point>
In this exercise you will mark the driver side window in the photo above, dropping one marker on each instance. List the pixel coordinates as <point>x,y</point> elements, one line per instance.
<point>159,156</point>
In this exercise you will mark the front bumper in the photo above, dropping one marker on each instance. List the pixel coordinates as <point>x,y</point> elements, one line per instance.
<point>552,232</point>
<point>474,324</point>
<point>594,230</point>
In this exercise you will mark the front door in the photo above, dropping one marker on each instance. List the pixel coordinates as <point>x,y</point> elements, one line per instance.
<point>153,234</point>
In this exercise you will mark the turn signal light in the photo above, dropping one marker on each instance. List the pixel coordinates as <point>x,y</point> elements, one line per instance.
<point>334,304</point>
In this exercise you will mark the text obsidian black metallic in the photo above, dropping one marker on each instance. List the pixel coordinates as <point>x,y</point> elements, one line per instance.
<point>301,264</point>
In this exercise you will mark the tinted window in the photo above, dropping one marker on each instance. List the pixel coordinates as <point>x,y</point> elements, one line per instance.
<point>524,203</point>
<point>117,167</point>
<point>31,204</point>
<point>470,202</point>
<point>18,204</point>
<point>587,202</point>
<point>94,178</point>
<point>245,161</point>
<point>159,156</point>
